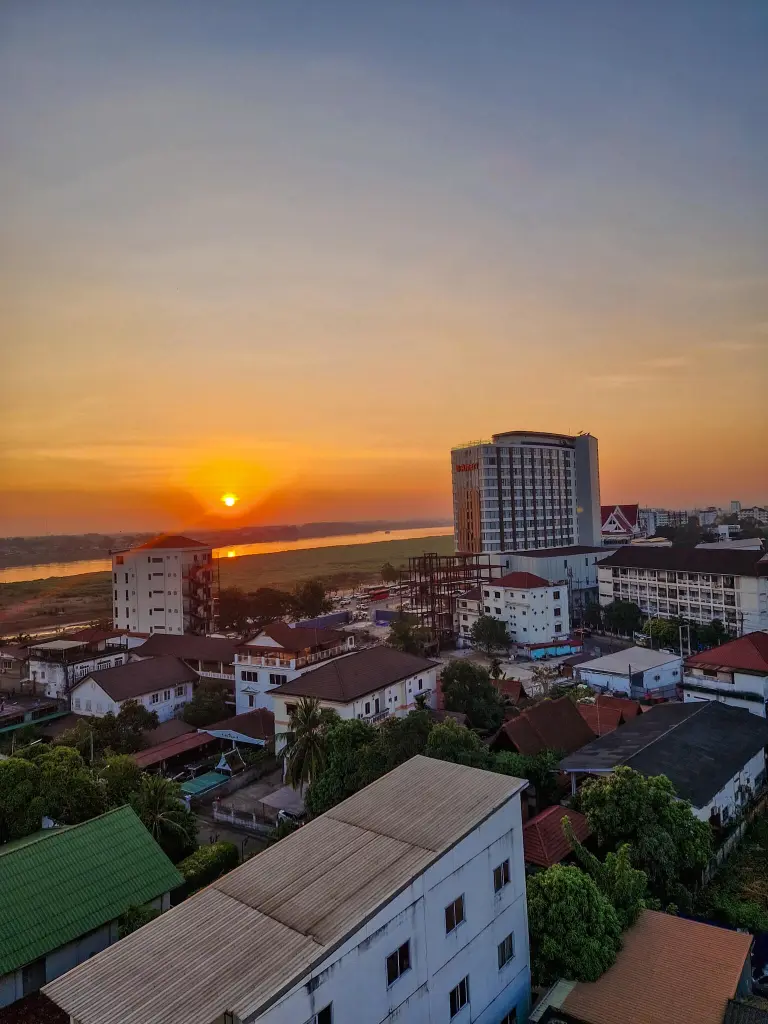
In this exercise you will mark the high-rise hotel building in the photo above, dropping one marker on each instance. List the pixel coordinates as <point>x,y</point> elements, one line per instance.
<point>525,490</point>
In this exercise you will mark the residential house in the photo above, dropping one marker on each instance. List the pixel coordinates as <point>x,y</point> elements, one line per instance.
<point>548,725</point>
<point>533,610</point>
<point>163,685</point>
<point>212,657</point>
<point>388,906</point>
<point>735,673</point>
<point>544,842</point>
<point>619,524</point>
<point>714,755</point>
<point>607,713</point>
<point>13,667</point>
<point>56,665</point>
<point>63,890</point>
<point>669,969</point>
<point>370,684</point>
<point>278,654</point>
<point>637,672</point>
<point>697,584</point>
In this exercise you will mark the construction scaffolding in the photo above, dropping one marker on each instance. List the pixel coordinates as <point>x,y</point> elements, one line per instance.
<point>435,581</point>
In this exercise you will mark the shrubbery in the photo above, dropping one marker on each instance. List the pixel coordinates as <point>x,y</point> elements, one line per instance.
<point>207,864</point>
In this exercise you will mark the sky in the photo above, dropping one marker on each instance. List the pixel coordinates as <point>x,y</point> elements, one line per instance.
<point>297,249</point>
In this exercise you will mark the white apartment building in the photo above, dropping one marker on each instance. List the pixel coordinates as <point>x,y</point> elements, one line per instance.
<point>164,586</point>
<point>404,902</point>
<point>695,584</point>
<point>756,512</point>
<point>372,684</point>
<point>650,519</point>
<point>56,665</point>
<point>525,490</point>
<point>575,566</point>
<point>735,673</point>
<point>533,609</point>
<point>278,654</point>
<point>163,685</point>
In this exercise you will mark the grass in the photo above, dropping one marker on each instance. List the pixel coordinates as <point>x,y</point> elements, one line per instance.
<point>738,894</point>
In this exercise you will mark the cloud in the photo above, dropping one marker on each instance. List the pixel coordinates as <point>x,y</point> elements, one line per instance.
<point>667,363</point>
<point>736,346</point>
<point>618,380</point>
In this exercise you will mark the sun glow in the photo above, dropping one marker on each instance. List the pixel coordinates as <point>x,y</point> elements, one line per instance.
<point>229,499</point>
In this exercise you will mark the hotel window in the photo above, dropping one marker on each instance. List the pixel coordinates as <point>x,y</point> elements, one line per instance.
<point>454,914</point>
<point>556,594</point>
<point>506,950</point>
<point>511,1017</point>
<point>501,876</point>
<point>459,996</point>
<point>557,612</point>
<point>277,679</point>
<point>398,962</point>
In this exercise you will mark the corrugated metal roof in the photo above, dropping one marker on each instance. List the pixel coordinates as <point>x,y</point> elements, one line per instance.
<point>239,944</point>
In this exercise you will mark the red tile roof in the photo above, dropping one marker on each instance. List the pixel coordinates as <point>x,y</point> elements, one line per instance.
<point>600,720</point>
<point>628,708</point>
<point>179,745</point>
<point>669,969</point>
<point>544,842</point>
<point>520,581</point>
<point>295,638</point>
<point>170,540</point>
<point>747,654</point>
<point>513,689</point>
<point>125,682</point>
<point>627,513</point>
<point>548,725</point>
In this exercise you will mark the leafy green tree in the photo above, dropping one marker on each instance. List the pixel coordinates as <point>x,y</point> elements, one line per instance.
<point>574,931</point>
<point>467,688</point>
<point>349,765</point>
<point>593,615</point>
<point>622,617</point>
<point>207,863</point>
<point>490,635</point>
<point>21,802</point>
<point>450,741</point>
<point>70,792</point>
<point>544,678</point>
<point>667,841</point>
<point>306,747</point>
<point>124,733</point>
<point>495,670</point>
<point>159,805</point>
<point>121,777</point>
<point>268,604</point>
<point>712,635</point>
<point>309,599</point>
<point>406,635</point>
<point>389,573</point>
<point>208,705</point>
<point>134,918</point>
<point>133,721</point>
<point>664,632</point>
<point>540,769</point>
<point>400,739</point>
<point>234,609</point>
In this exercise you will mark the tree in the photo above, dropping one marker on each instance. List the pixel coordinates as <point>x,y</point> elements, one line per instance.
<point>268,604</point>
<point>306,749</point>
<point>121,777</point>
<point>310,600</point>
<point>234,609</point>
<point>21,803</point>
<point>544,678</point>
<point>406,635</point>
<point>208,704</point>
<point>134,918</point>
<point>400,739</point>
<point>541,770</point>
<point>622,617</point>
<point>495,670</point>
<point>133,721</point>
<point>349,765</point>
<point>467,688</point>
<point>69,791</point>
<point>593,615</point>
<point>664,632</point>
<point>667,841</point>
<point>490,635</point>
<point>159,805</point>
<point>712,635</point>
<point>574,931</point>
<point>389,573</point>
<point>450,741</point>
<point>207,863</point>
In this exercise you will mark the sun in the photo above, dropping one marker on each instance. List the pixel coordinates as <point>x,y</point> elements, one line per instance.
<point>229,499</point>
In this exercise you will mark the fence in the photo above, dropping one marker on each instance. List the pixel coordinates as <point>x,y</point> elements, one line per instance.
<point>248,820</point>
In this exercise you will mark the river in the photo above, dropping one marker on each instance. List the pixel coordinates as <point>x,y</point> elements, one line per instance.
<point>22,573</point>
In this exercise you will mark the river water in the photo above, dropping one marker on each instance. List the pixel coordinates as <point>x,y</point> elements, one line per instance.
<point>22,573</point>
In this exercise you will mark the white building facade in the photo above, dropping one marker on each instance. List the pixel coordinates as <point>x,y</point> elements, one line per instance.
<point>525,490</point>
<point>735,673</point>
<point>637,672</point>
<point>162,685</point>
<point>164,586</point>
<point>56,665</point>
<point>575,566</point>
<point>533,610</point>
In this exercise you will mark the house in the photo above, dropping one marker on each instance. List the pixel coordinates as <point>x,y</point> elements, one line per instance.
<point>212,657</point>
<point>533,609</point>
<point>56,665</point>
<point>607,713</point>
<point>736,673</point>
<point>278,654</point>
<point>713,755</point>
<point>387,906</point>
<point>163,685</point>
<point>13,667</point>
<point>697,584</point>
<point>548,725</point>
<point>254,728</point>
<point>544,842</point>
<point>64,889</point>
<point>370,684</point>
<point>619,524</point>
<point>637,672</point>
<point>512,692</point>
<point>669,969</point>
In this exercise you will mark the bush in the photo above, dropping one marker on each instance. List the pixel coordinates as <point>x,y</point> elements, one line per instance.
<point>134,918</point>
<point>207,864</point>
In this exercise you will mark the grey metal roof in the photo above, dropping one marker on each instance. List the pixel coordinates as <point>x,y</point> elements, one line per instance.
<point>241,943</point>
<point>699,746</point>
<point>640,659</point>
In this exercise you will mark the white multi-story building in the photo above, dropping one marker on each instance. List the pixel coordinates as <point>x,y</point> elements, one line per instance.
<point>575,566</point>
<point>278,654</point>
<point>695,584</point>
<point>650,519</point>
<point>404,902</point>
<point>756,512</point>
<point>56,665</point>
<point>524,490</point>
<point>735,673</point>
<point>534,610</point>
<point>163,685</point>
<point>164,586</point>
<point>372,684</point>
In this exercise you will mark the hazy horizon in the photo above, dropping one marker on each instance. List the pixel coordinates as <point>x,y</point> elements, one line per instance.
<point>296,251</point>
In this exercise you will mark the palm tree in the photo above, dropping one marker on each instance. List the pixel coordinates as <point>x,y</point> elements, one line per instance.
<point>159,805</point>
<point>305,747</point>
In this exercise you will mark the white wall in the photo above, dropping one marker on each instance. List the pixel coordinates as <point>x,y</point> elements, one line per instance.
<point>659,681</point>
<point>531,615</point>
<point>55,676</point>
<point>252,681</point>
<point>147,589</point>
<point>728,798</point>
<point>88,698</point>
<point>353,978</point>
<point>724,685</point>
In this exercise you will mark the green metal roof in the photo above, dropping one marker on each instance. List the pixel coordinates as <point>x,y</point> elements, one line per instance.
<point>203,783</point>
<point>62,883</point>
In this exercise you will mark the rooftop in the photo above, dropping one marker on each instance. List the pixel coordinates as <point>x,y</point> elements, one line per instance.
<point>544,841</point>
<point>635,659</point>
<point>295,638</point>
<point>669,969</point>
<point>573,549</point>
<point>189,646</point>
<point>741,1012</point>
<point>171,540</point>
<point>684,559</point>
<point>259,724</point>
<point>58,645</point>
<point>354,675</point>
<point>699,746</point>
<point>519,581</point>
<point>139,677</point>
<point>548,725</point>
<point>294,903</point>
<point>61,883</point>
<point>747,654</point>
<point>182,744</point>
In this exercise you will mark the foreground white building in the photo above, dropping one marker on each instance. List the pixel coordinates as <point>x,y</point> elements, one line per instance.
<point>56,665</point>
<point>533,609</point>
<point>163,685</point>
<point>575,566</point>
<point>735,673</point>
<point>636,672</point>
<point>390,906</point>
<point>164,586</point>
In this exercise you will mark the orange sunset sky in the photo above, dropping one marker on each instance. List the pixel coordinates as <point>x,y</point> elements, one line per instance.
<point>297,251</point>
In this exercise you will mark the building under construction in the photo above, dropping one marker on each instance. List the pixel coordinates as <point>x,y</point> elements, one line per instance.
<point>434,583</point>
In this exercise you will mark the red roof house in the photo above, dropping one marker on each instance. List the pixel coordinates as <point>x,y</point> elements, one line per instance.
<point>619,523</point>
<point>548,725</point>
<point>746,654</point>
<point>544,842</point>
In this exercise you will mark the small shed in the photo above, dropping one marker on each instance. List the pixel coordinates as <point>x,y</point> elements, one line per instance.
<point>636,672</point>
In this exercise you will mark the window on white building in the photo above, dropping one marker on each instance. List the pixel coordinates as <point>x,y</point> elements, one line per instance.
<point>166,694</point>
<point>398,962</point>
<point>87,705</point>
<point>155,698</point>
<point>277,678</point>
<point>454,914</point>
<point>459,996</point>
<point>180,691</point>
<point>501,876</point>
<point>558,628</point>
<point>506,950</point>
<point>76,703</point>
<point>251,701</point>
<point>325,1016</point>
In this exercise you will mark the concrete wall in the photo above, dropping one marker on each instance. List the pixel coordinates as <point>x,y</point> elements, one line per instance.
<point>354,980</point>
<point>587,490</point>
<point>532,616</point>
